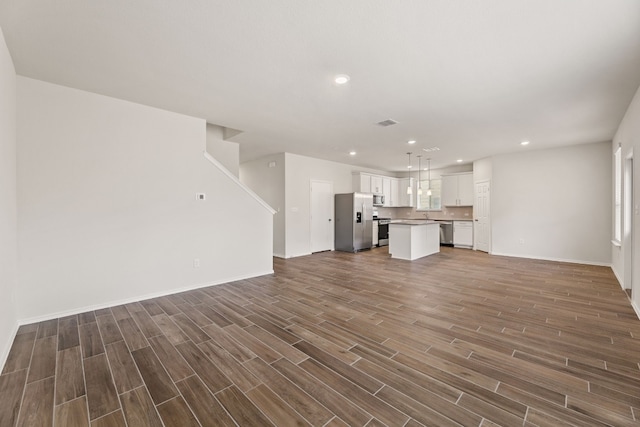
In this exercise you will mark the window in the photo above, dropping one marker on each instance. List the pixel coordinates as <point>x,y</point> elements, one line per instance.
<point>617,191</point>
<point>433,202</point>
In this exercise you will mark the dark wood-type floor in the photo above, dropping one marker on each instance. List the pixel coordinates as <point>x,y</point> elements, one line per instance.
<point>335,339</point>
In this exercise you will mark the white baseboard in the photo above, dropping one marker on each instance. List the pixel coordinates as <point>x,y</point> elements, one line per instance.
<point>291,256</point>
<point>615,273</point>
<point>113,303</point>
<point>7,346</point>
<point>636,308</point>
<point>572,261</point>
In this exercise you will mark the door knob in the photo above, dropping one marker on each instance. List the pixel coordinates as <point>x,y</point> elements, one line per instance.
<point>329,219</point>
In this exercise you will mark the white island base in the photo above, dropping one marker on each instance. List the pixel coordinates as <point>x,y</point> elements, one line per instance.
<point>413,239</point>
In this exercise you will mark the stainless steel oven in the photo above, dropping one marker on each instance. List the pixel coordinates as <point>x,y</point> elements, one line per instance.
<point>383,231</point>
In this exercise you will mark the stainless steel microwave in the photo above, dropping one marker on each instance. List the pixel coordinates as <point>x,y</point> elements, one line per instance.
<point>378,200</point>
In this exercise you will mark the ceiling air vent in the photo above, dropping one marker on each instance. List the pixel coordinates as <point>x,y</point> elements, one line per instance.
<point>387,122</point>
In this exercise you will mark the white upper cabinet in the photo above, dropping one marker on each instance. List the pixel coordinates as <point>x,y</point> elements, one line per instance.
<point>393,199</point>
<point>465,189</point>
<point>386,190</point>
<point>376,184</point>
<point>361,183</point>
<point>394,189</point>
<point>457,189</point>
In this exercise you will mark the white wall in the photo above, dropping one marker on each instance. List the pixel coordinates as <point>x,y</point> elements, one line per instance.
<point>483,170</point>
<point>300,170</point>
<point>107,209</point>
<point>268,182</point>
<point>628,136</point>
<point>558,201</point>
<point>8,218</point>
<point>225,152</point>
<point>286,187</point>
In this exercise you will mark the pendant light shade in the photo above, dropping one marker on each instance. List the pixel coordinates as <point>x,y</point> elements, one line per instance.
<point>419,175</point>
<point>429,177</point>
<point>409,189</point>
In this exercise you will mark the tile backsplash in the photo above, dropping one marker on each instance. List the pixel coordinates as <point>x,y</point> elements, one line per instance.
<point>410,213</point>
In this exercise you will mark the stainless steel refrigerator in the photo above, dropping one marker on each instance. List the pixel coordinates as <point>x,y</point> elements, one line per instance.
<point>354,221</point>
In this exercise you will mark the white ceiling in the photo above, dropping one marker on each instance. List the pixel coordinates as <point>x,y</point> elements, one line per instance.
<point>473,77</point>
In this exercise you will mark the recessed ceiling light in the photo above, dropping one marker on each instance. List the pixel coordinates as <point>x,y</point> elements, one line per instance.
<point>524,143</point>
<point>411,141</point>
<point>341,79</point>
<point>430,149</point>
<point>409,167</point>
<point>459,160</point>
<point>352,153</point>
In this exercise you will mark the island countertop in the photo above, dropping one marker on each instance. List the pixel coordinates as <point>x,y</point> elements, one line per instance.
<point>413,221</point>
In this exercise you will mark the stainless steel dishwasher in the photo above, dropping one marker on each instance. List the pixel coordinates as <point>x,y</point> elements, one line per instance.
<point>446,233</point>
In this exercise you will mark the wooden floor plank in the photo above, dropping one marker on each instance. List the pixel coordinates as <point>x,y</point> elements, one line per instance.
<point>11,389</point>
<point>109,329</point>
<point>72,414</point>
<point>158,382</point>
<point>241,409</point>
<point>43,360</point>
<point>174,363</point>
<point>123,368</point>
<point>203,404</point>
<point>275,408</point>
<point>139,409</point>
<point>48,328</point>
<point>304,404</point>
<point>132,334</point>
<point>20,353</point>
<point>102,397</point>
<point>37,404</point>
<point>68,333</point>
<point>114,419</point>
<point>336,339</point>
<point>175,412</point>
<point>69,375</point>
<point>231,368</point>
<point>208,372</point>
<point>90,340</point>
<point>329,398</point>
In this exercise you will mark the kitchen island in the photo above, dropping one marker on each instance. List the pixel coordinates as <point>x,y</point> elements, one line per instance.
<point>413,239</point>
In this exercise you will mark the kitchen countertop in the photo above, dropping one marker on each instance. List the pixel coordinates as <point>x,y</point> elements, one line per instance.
<point>433,219</point>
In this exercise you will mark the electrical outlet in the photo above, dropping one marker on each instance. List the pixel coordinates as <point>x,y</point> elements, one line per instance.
<point>196,263</point>
<point>201,196</point>
<point>522,241</point>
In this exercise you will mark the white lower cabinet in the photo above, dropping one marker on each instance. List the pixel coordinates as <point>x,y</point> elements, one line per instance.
<point>463,234</point>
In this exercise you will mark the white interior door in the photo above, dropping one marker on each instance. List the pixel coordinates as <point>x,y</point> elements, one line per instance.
<point>482,212</point>
<point>321,216</point>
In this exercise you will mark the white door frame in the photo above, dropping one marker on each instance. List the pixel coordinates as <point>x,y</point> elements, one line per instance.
<point>628,227</point>
<point>311,182</point>
<point>484,181</point>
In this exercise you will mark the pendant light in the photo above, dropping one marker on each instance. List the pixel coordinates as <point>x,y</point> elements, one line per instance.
<point>419,175</point>
<point>429,177</point>
<point>409,189</point>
